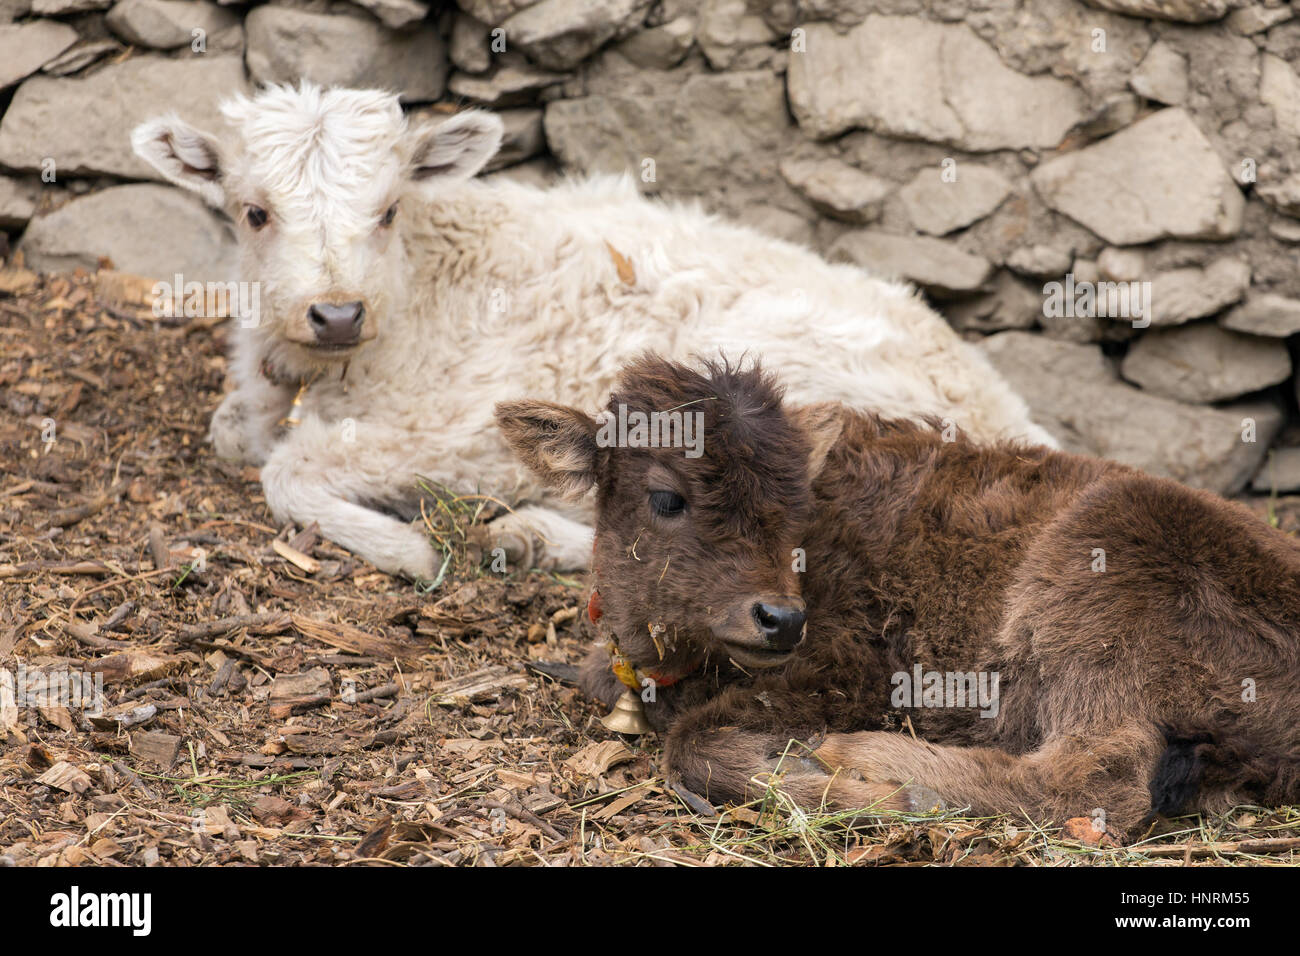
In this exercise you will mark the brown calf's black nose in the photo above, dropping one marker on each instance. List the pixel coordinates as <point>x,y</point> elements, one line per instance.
<point>782,627</point>
<point>337,323</point>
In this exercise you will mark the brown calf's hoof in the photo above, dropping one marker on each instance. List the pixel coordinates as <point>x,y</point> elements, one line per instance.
<point>922,800</point>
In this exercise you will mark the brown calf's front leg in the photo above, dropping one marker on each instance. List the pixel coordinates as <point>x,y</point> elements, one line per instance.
<point>1107,775</point>
<point>728,764</point>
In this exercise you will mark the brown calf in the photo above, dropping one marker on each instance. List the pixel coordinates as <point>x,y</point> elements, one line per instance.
<point>1135,639</point>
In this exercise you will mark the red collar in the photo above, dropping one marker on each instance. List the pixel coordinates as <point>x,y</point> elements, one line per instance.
<point>629,675</point>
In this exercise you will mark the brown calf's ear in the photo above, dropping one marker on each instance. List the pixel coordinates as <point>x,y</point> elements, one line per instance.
<point>821,424</point>
<point>557,443</point>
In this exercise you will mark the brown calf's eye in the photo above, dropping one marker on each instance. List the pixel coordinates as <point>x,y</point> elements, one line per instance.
<point>389,215</point>
<point>667,504</point>
<point>256,216</point>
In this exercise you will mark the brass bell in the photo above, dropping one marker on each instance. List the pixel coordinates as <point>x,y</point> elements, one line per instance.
<point>628,715</point>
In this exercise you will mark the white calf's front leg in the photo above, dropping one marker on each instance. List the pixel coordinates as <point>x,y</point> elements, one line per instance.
<point>535,536</point>
<point>321,474</point>
<point>246,426</point>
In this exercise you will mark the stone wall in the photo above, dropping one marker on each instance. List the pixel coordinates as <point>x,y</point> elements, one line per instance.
<point>983,149</point>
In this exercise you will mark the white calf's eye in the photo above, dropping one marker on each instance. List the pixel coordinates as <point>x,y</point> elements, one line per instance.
<point>389,215</point>
<point>257,216</point>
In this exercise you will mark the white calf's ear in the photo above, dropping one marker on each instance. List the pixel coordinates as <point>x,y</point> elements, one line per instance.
<point>557,443</point>
<point>184,155</point>
<point>455,149</point>
<point>821,424</point>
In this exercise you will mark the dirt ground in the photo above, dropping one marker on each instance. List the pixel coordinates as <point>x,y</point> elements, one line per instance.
<point>269,699</point>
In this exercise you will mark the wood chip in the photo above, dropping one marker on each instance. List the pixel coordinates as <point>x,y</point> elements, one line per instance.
<point>595,759</point>
<point>124,292</point>
<point>157,748</point>
<point>119,718</point>
<point>298,693</point>
<point>8,702</point>
<point>622,265</point>
<point>353,640</point>
<point>306,684</point>
<point>303,562</point>
<point>482,685</point>
<point>1085,830</point>
<point>162,555</point>
<point>58,716</point>
<point>67,777</point>
<point>64,517</point>
<point>621,804</point>
<point>16,281</point>
<point>267,623</point>
<point>133,666</point>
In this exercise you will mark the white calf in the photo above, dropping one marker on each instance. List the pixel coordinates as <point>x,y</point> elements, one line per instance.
<point>408,298</point>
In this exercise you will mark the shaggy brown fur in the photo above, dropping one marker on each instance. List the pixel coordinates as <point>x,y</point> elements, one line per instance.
<point>1165,682</point>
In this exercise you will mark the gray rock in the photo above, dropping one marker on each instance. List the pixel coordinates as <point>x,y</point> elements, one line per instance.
<point>1012,304</point>
<point>838,189</point>
<point>524,138</point>
<point>1041,260</point>
<point>84,123</point>
<point>1122,265</point>
<point>1284,230</point>
<point>59,8</point>
<point>777,222</point>
<point>513,82</point>
<point>1265,313</point>
<point>1161,76</point>
<point>1257,18</point>
<point>698,133</point>
<point>167,24</point>
<point>1279,89</point>
<point>661,47</point>
<point>1076,394</point>
<point>396,13</point>
<point>535,172</point>
<point>916,79</point>
<point>18,201</point>
<point>26,47</point>
<point>470,48</point>
<point>1283,195</point>
<point>1114,308</point>
<point>493,12</point>
<point>560,34</point>
<point>123,223</point>
<point>285,45</point>
<point>938,207</point>
<point>936,264</point>
<point>1159,178</point>
<point>1079,329</point>
<point>1119,110</point>
<point>11,10</point>
<point>728,27</point>
<point>1204,363</point>
<point>80,56</point>
<point>1183,11</point>
<point>1280,473</point>
<point>1180,295</point>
